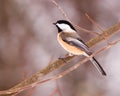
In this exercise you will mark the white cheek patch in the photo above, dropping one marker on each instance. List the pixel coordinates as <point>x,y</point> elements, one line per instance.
<point>65,27</point>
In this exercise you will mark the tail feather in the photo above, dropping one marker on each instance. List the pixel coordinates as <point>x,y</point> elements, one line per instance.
<point>98,66</point>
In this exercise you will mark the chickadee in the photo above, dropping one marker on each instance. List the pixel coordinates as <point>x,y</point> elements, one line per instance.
<point>71,42</point>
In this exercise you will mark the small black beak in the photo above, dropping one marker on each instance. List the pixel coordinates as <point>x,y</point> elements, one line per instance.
<point>54,23</point>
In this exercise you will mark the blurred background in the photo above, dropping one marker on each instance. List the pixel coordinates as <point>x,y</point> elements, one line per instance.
<point>28,42</point>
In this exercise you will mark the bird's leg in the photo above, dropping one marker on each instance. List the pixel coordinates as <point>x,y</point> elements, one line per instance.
<point>62,59</point>
<point>67,55</point>
<point>70,54</point>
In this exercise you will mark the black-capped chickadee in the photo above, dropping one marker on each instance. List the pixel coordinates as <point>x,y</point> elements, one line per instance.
<point>71,42</point>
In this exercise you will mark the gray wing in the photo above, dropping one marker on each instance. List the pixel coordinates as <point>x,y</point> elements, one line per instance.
<point>78,43</point>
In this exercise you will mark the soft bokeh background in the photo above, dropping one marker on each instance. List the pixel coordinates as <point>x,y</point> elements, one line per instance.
<point>28,41</point>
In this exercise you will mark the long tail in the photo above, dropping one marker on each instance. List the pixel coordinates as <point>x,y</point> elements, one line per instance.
<point>98,66</point>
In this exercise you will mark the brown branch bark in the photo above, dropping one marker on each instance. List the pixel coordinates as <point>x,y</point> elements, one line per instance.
<point>58,63</point>
<point>106,34</point>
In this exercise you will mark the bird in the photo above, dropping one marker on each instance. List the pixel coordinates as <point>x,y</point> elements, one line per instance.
<point>69,39</point>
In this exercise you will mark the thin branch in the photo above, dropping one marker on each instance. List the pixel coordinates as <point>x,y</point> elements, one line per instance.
<point>60,75</point>
<point>106,33</point>
<point>35,78</point>
<point>54,92</point>
<point>65,15</point>
<point>96,24</point>
<point>58,88</point>
<point>57,64</point>
<point>60,8</point>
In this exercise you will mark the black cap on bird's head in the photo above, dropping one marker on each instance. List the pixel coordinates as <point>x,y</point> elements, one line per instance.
<point>64,25</point>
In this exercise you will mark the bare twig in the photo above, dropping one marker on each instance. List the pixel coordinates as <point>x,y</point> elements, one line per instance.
<point>57,90</point>
<point>54,92</point>
<point>81,62</point>
<point>68,70</point>
<point>29,82</point>
<point>106,33</point>
<point>78,64</point>
<point>96,24</point>
<point>60,8</point>
<point>37,78</point>
<point>65,15</point>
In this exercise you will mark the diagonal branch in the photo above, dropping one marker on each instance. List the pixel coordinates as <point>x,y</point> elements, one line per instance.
<point>106,34</point>
<point>65,15</point>
<point>60,75</point>
<point>59,63</point>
